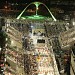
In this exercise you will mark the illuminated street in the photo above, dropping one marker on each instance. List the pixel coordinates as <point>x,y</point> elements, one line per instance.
<point>32,43</point>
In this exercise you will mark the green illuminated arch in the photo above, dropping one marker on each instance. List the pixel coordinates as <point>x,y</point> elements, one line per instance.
<point>36,4</point>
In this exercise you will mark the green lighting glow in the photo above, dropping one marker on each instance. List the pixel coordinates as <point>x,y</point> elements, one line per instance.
<point>37,3</point>
<point>37,17</point>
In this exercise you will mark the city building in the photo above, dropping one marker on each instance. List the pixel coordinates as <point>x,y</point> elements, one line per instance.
<point>72,65</point>
<point>67,41</point>
<point>67,38</point>
<point>14,51</point>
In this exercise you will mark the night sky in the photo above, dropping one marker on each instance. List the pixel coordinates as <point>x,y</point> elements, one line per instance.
<point>28,1</point>
<point>3,2</point>
<point>47,2</point>
<point>20,1</point>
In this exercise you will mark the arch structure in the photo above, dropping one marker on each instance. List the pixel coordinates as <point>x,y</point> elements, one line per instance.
<point>36,4</point>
